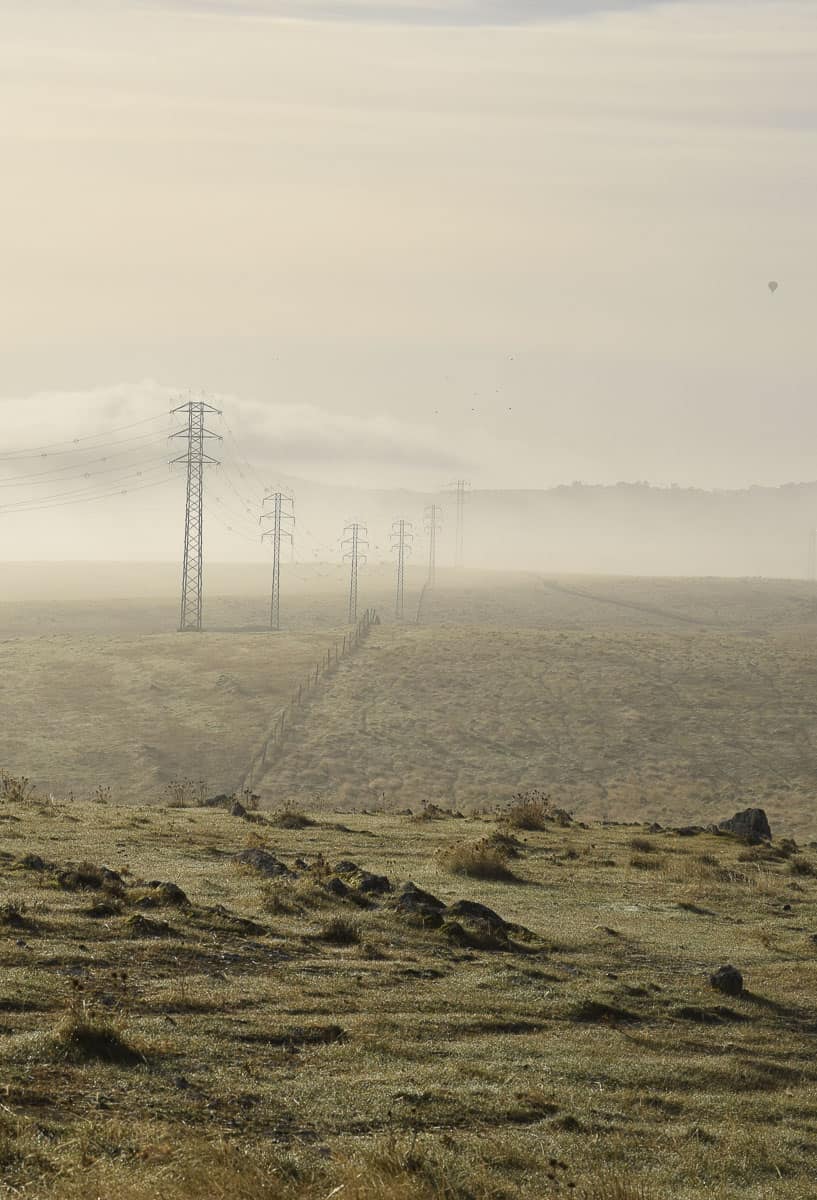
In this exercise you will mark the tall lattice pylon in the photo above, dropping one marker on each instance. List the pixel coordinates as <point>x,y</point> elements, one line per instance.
<point>462,486</point>
<point>282,516</point>
<point>354,546</point>
<point>402,540</point>
<point>196,460</point>
<point>432,521</point>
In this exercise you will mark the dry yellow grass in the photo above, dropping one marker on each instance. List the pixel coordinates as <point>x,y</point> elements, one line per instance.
<point>402,1063</point>
<point>669,699</point>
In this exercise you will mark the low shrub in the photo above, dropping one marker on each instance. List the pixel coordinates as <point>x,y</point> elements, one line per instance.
<point>478,860</point>
<point>529,810</point>
<point>340,932</point>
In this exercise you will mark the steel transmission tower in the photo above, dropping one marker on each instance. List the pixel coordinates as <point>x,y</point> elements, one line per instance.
<point>402,542</point>
<point>462,486</point>
<point>433,523</point>
<point>196,460</point>
<point>281,516</point>
<point>355,555</point>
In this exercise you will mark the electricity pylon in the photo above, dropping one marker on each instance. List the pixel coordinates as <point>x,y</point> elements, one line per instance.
<point>282,513</point>
<point>432,520</point>
<point>356,557</point>
<point>462,486</point>
<point>196,460</point>
<point>402,542</point>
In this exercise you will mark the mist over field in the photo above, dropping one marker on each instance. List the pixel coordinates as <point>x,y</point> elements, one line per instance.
<point>408,599</point>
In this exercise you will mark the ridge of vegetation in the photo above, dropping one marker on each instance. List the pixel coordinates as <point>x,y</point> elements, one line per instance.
<point>199,1003</point>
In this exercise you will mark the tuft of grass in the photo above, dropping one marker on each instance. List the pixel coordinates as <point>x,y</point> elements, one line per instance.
<point>529,810</point>
<point>13,916</point>
<point>87,876</point>
<point>593,1012</point>
<point>646,862</point>
<point>340,931</point>
<point>18,789</point>
<point>88,1038</point>
<point>478,860</point>
<point>643,845</point>
<point>290,818</point>
<point>608,1186</point>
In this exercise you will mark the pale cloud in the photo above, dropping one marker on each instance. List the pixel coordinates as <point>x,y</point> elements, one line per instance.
<point>532,254</point>
<point>415,12</point>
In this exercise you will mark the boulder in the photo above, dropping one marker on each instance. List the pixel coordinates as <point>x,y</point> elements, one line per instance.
<point>166,893</point>
<point>751,824</point>
<point>263,862</point>
<point>363,881</point>
<point>728,980</point>
<point>419,908</point>
<point>470,910</point>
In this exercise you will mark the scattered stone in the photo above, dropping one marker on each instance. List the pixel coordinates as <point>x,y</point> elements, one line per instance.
<point>85,876</point>
<point>237,809</point>
<point>714,1015</point>
<point>411,896</point>
<point>33,862</point>
<point>288,818</point>
<point>337,887</point>
<point>363,881</point>
<point>752,825</point>
<point>101,909</point>
<point>299,1035</point>
<point>140,926</point>
<point>597,1012</point>
<point>220,801</point>
<point>472,910</point>
<point>263,862</point>
<point>419,908</point>
<point>728,980</point>
<point>161,892</point>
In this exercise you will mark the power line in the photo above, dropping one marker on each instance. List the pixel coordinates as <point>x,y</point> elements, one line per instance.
<point>139,464</point>
<point>432,520</point>
<point>31,477</point>
<point>236,515</point>
<point>242,456</point>
<point>43,507</point>
<point>23,505</point>
<point>462,486</point>
<point>402,539</point>
<point>195,460</point>
<point>356,557</point>
<point>45,452</point>
<point>211,513</point>
<point>282,513</point>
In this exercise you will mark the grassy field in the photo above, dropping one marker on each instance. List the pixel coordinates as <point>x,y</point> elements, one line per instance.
<point>260,1038</point>
<point>627,698</point>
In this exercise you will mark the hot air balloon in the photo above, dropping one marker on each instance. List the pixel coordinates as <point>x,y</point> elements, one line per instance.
<point>773,286</point>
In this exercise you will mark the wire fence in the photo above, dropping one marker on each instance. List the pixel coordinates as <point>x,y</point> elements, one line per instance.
<point>285,720</point>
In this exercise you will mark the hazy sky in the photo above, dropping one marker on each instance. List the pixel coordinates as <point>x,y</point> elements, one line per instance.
<point>529,241</point>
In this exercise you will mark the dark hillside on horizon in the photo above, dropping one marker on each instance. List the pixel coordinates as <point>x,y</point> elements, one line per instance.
<point>626,528</point>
